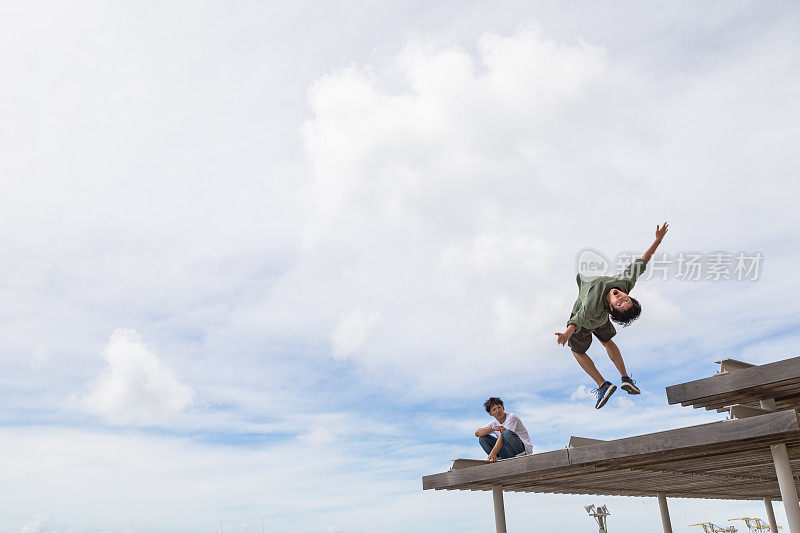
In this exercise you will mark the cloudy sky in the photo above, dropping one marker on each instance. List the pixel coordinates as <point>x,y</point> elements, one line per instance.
<point>265,260</point>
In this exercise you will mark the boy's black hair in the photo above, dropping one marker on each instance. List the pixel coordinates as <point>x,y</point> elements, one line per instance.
<point>629,315</point>
<point>491,402</point>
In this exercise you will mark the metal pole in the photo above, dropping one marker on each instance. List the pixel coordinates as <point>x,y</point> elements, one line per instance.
<point>500,511</point>
<point>662,505</point>
<point>773,525</point>
<point>787,486</point>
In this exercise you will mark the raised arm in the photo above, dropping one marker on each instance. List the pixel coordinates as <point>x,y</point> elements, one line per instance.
<point>660,232</point>
<point>480,432</point>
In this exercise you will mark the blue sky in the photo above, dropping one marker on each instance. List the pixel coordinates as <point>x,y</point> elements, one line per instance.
<point>268,261</point>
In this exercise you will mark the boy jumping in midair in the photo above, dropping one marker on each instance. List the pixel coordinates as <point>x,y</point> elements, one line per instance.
<point>598,299</point>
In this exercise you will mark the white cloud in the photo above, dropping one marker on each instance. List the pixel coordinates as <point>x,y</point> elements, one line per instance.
<point>352,330</point>
<point>318,436</point>
<point>581,393</point>
<point>40,357</point>
<point>435,177</point>
<point>137,387</point>
<point>454,187</point>
<point>661,310</point>
<point>125,477</point>
<point>41,523</point>
<point>507,260</point>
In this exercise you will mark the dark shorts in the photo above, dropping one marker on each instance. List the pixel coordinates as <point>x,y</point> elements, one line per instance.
<point>580,341</point>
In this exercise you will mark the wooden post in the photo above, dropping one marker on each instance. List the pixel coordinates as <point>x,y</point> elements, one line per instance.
<point>786,483</point>
<point>500,511</point>
<point>662,506</point>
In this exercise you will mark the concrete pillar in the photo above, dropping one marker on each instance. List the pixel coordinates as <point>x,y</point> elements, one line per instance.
<point>773,524</point>
<point>786,483</point>
<point>662,505</point>
<point>500,511</point>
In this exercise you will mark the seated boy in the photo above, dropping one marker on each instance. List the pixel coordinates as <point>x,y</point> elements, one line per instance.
<point>505,436</point>
<point>599,298</point>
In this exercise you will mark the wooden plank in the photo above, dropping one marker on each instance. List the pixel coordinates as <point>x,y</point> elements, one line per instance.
<point>732,365</point>
<point>467,463</point>
<point>575,442</point>
<point>746,411</point>
<point>785,393</point>
<point>497,472</point>
<point>639,481</point>
<point>646,483</point>
<point>748,378</point>
<point>727,389</point>
<point>779,424</point>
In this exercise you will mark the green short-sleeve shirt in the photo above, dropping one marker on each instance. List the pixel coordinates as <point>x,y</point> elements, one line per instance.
<point>591,308</point>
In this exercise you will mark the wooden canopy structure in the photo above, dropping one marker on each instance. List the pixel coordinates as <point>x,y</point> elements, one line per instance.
<point>729,460</point>
<point>753,455</point>
<point>739,383</point>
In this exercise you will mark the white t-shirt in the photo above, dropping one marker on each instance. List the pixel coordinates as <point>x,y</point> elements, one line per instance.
<point>514,424</point>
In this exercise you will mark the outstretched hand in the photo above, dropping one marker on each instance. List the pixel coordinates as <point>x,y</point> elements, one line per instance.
<point>562,338</point>
<point>661,231</point>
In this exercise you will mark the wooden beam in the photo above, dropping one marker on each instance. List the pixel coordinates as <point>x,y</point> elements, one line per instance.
<point>576,442</point>
<point>746,411</point>
<point>497,472</point>
<point>760,378</point>
<point>467,463</point>
<point>727,366</point>
<point>779,424</point>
